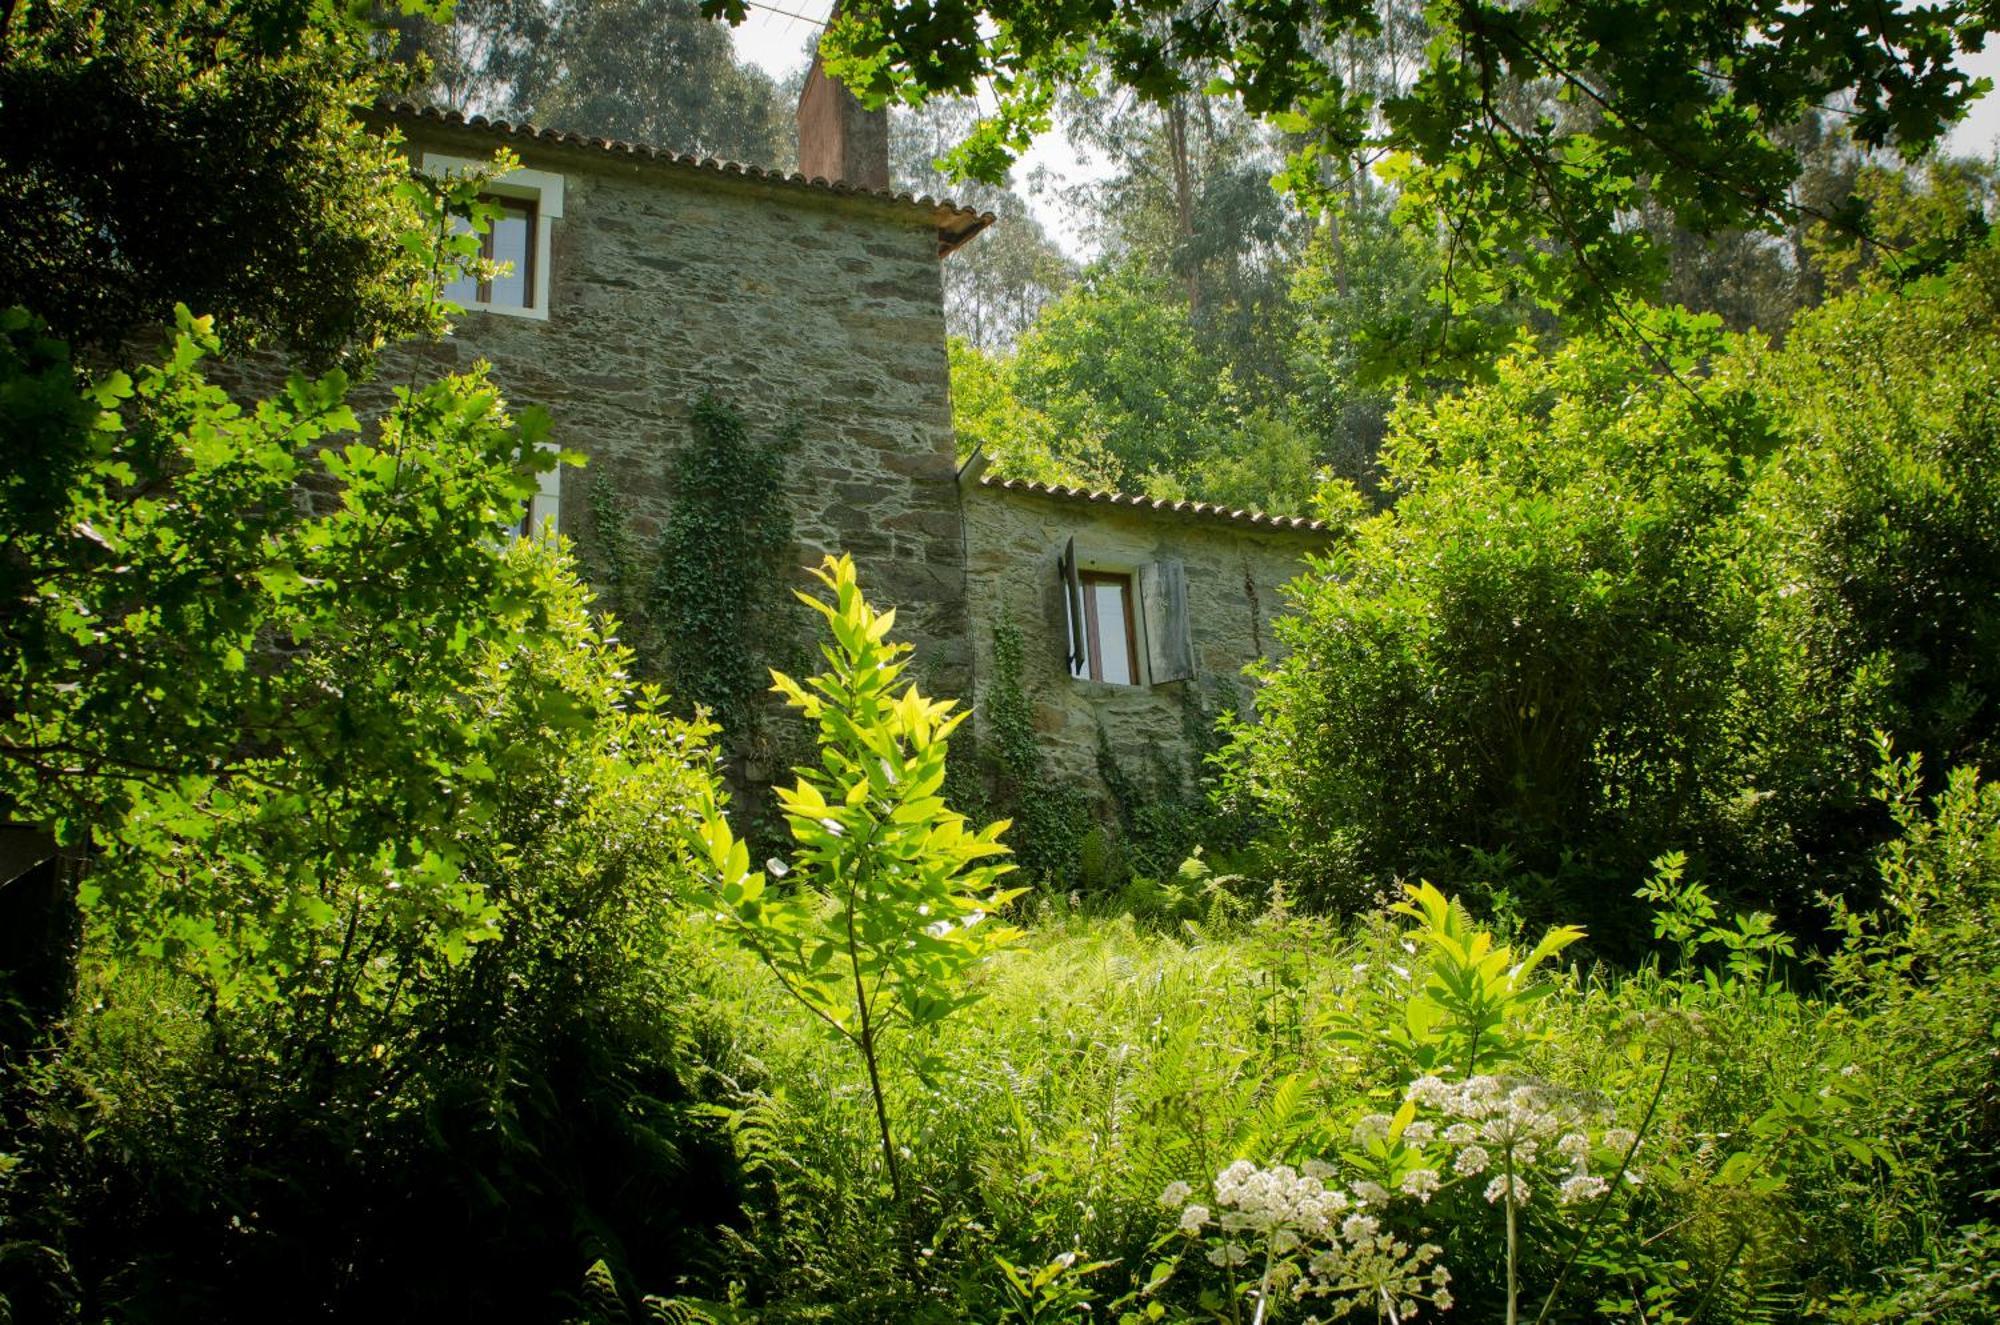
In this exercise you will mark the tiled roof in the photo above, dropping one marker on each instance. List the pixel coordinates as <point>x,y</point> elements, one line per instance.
<point>955,223</point>
<point>1206,510</point>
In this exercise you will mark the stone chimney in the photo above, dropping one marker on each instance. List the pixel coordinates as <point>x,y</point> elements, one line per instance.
<point>839,140</point>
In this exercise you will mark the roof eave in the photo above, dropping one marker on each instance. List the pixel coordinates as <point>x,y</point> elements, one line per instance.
<point>956,225</point>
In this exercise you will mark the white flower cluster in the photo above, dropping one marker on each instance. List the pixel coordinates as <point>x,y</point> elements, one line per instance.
<point>1313,1241</point>
<point>1511,1127</point>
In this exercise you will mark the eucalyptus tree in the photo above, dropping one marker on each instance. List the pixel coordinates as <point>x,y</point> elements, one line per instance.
<point>1528,134</point>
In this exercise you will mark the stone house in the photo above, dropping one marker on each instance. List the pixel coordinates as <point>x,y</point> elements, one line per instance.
<point>642,278</point>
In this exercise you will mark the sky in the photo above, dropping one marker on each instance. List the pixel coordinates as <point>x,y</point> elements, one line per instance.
<point>775,34</point>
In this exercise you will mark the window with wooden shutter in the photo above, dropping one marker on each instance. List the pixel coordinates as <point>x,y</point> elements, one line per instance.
<point>1103,627</point>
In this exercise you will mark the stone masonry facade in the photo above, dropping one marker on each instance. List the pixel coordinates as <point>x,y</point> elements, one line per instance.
<point>798,305</point>
<point>1234,565</point>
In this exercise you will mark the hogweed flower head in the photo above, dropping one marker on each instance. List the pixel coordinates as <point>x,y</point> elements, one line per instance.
<point>1510,1129</point>
<point>1316,1241</point>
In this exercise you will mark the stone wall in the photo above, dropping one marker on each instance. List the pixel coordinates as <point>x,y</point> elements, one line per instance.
<point>1234,565</point>
<point>797,306</point>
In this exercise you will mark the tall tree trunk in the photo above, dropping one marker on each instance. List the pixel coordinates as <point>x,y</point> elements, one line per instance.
<point>1183,168</point>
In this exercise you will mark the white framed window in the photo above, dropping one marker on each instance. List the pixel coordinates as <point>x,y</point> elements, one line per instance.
<point>530,203</point>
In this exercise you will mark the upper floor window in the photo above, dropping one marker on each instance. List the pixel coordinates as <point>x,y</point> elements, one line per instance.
<point>530,202</point>
<point>510,240</point>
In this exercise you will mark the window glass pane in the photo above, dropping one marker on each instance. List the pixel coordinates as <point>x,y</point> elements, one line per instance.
<point>465,290</point>
<point>513,239</point>
<point>1116,664</point>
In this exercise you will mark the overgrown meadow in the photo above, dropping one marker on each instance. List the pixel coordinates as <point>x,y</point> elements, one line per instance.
<point>1600,921</point>
<point>576,1051</point>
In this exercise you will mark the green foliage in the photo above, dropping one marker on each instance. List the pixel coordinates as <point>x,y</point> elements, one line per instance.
<point>376,825</point>
<point>1878,534</point>
<point>650,71</point>
<point>205,153</point>
<point>1527,134</point>
<point>893,910</point>
<point>246,704</point>
<point>718,583</point>
<point>1111,387</point>
<point>1685,914</point>
<point>986,416</point>
<point>1466,1018</point>
<point>1718,1150</point>
<point>993,288</point>
<point>1052,817</point>
<point>1610,608</point>
<point>1114,371</point>
<point>703,607</point>
<point>1531,651</point>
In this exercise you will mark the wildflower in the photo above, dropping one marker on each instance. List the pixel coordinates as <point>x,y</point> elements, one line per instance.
<point>1574,1147</point>
<point>1429,1092</point>
<point>1461,1134</point>
<point>1194,1218</point>
<point>1471,1160</point>
<point>1371,1193</point>
<point>1359,1228</point>
<point>1420,1134</point>
<point>1176,1195</point>
<point>1318,1170</point>
<point>1515,1190</point>
<point>1581,1187</point>
<point>1372,1127</point>
<point>1619,1139</point>
<point>1420,1183</point>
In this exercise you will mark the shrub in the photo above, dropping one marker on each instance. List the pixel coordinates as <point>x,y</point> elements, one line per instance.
<point>894,907</point>
<point>371,1016</point>
<point>1875,540</point>
<point>1531,652</point>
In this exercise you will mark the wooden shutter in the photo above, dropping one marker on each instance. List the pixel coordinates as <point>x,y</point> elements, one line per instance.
<point>1169,642</point>
<point>1072,597</point>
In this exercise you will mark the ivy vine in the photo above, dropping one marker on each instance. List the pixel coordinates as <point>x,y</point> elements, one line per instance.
<point>1052,819</point>
<point>1057,839</point>
<point>707,616</point>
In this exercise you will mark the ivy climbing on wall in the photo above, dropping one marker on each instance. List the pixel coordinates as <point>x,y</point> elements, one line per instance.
<point>1153,821</point>
<point>706,607</point>
<point>1052,818</point>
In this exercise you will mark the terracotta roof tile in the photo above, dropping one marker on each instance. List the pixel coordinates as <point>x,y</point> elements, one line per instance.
<point>1206,510</point>
<point>955,223</point>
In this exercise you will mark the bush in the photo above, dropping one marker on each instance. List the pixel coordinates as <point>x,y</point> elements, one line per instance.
<point>419,1127</point>
<point>1615,611</point>
<point>377,1000</point>
<point>1875,539</point>
<point>1530,653</point>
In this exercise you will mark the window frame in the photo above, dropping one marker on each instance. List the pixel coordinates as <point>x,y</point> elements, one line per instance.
<point>542,191</point>
<point>1093,642</point>
<point>532,267</point>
